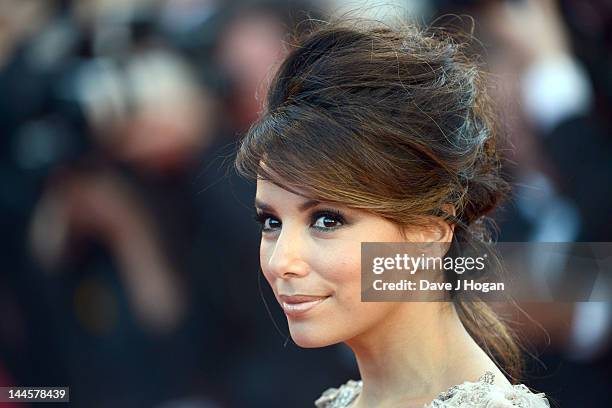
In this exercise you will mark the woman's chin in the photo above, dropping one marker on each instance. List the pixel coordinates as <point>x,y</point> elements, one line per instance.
<point>309,338</point>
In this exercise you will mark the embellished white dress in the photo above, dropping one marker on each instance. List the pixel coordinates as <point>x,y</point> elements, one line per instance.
<point>482,393</point>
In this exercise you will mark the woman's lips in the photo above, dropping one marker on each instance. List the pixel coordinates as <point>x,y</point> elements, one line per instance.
<point>297,305</point>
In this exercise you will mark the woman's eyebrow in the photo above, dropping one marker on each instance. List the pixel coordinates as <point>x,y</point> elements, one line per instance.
<point>302,207</point>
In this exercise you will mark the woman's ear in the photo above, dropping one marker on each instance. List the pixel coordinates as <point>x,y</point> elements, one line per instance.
<point>447,227</point>
<point>437,229</point>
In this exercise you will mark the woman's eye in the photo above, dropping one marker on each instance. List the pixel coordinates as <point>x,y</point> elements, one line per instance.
<point>270,223</point>
<point>267,222</point>
<point>327,222</point>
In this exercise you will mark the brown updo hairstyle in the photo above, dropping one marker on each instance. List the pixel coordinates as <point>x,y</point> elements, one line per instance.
<point>394,121</point>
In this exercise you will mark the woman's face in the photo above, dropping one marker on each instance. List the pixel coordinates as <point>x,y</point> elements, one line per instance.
<point>313,249</point>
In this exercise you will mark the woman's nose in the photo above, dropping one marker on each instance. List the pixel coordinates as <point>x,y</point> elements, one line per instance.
<point>288,256</point>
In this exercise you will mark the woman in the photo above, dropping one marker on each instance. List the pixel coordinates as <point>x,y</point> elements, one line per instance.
<point>379,135</point>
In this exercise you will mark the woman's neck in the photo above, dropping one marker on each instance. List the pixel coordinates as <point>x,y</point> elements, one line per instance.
<point>415,353</point>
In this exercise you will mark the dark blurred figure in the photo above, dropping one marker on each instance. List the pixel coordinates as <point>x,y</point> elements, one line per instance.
<point>96,149</point>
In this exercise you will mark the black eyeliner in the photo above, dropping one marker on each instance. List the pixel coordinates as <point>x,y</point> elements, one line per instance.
<point>331,213</point>
<point>261,217</point>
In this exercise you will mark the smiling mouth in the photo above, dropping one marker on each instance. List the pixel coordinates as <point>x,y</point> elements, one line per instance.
<point>294,308</point>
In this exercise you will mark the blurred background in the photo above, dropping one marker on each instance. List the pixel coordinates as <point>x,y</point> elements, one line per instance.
<point>129,255</point>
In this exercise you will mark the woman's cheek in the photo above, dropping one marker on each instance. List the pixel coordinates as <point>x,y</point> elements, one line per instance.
<point>265,251</point>
<point>342,271</point>
<point>339,261</point>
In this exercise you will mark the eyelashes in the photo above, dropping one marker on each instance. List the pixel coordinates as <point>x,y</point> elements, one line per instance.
<point>269,222</point>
